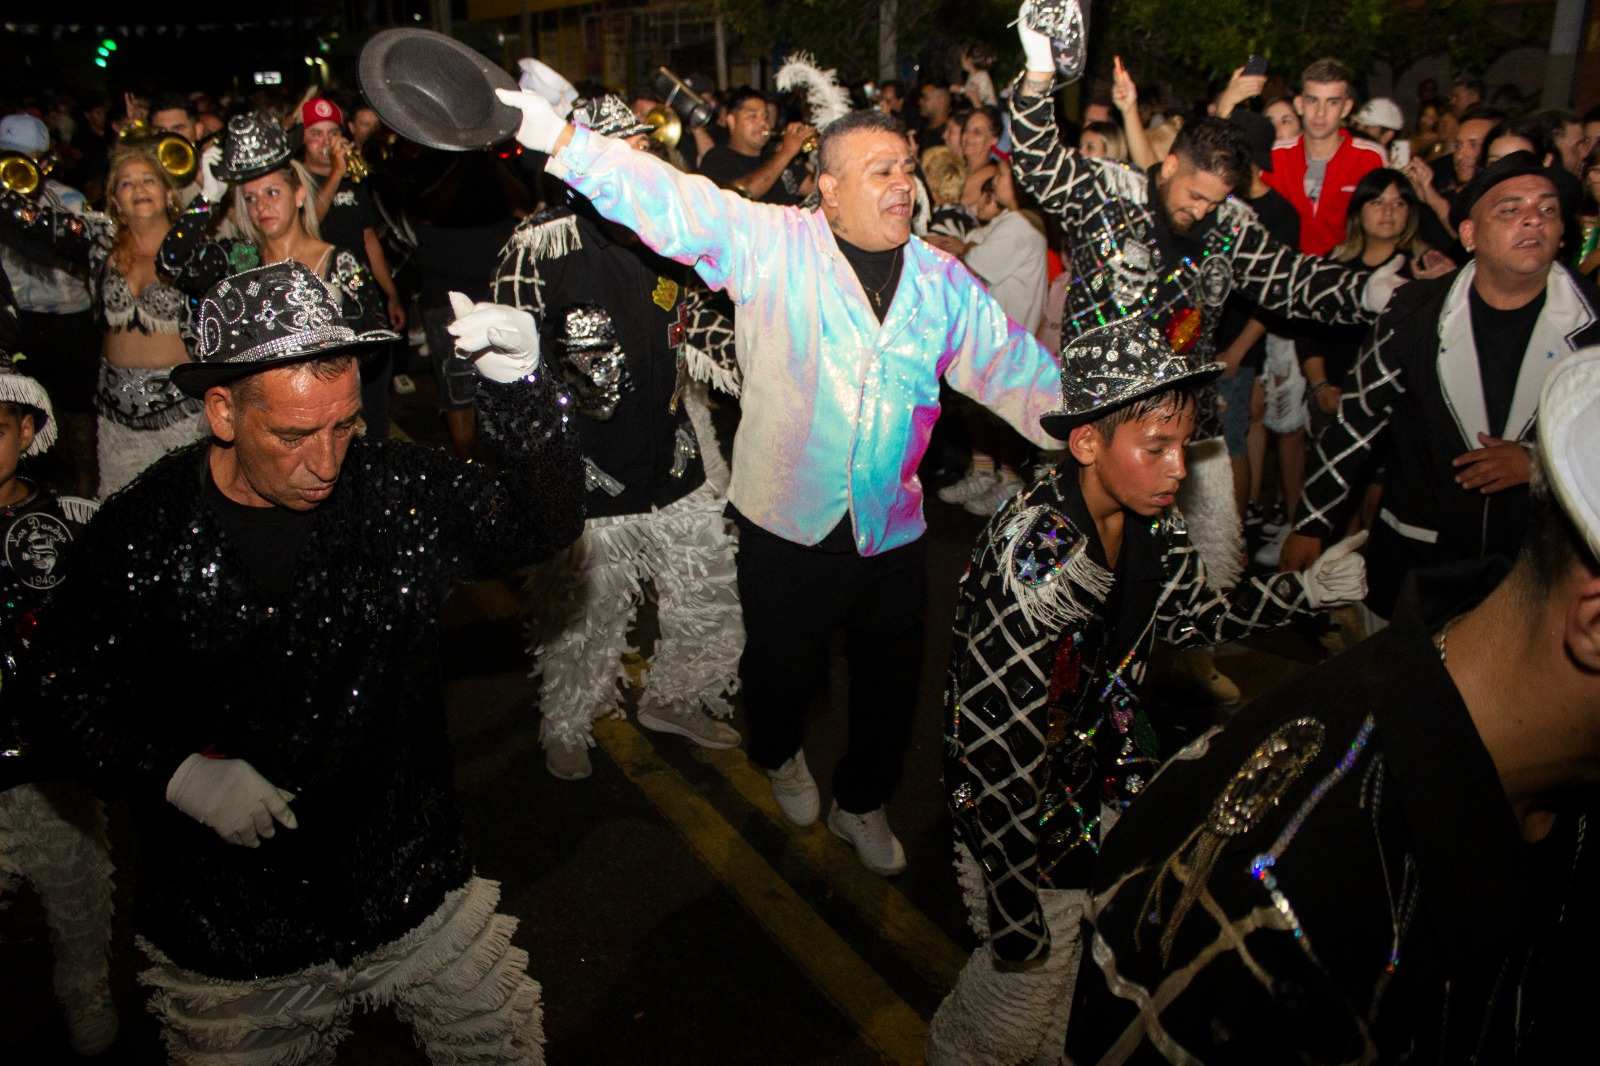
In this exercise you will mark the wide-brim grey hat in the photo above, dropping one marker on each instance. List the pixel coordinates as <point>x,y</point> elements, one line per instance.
<point>436,91</point>
<point>268,317</point>
<point>1116,364</point>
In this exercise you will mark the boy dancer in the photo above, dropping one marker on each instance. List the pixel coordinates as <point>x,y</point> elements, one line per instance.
<point>1070,585</point>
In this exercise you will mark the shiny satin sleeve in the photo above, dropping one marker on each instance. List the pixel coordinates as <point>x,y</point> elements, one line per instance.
<point>997,362</point>
<point>684,217</point>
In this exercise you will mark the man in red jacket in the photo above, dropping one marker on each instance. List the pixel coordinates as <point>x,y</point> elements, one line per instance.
<point>1318,171</point>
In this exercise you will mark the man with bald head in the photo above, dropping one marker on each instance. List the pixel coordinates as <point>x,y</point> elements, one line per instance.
<point>1445,392</point>
<point>844,325</point>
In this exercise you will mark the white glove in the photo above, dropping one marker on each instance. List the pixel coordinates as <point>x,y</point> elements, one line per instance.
<point>1339,575</point>
<point>540,123</point>
<point>230,797</point>
<point>1382,285</point>
<point>212,187</point>
<point>507,338</point>
<point>1036,47</point>
<point>542,80</point>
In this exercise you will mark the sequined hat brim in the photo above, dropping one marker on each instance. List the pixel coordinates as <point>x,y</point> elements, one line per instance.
<point>1061,422</point>
<point>251,173</point>
<point>193,379</point>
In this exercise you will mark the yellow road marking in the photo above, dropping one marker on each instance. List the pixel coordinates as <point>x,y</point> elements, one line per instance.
<point>882,1017</point>
<point>921,943</point>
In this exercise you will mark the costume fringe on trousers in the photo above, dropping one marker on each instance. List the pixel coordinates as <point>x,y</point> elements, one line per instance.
<point>1020,1016</point>
<point>592,591</point>
<point>53,835</point>
<point>455,979</point>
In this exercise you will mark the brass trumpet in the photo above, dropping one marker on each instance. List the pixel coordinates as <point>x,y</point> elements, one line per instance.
<point>666,128</point>
<point>175,152</point>
<point>23,174</point>
<point>356,167</point>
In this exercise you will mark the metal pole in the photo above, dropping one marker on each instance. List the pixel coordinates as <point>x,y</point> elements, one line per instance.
<point>1566,34</point>
<point>526,28</point>
<point>888,49</point>
<point>722,55</point>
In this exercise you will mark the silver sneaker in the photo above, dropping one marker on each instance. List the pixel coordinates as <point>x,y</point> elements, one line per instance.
<point>876,845</point>
<point>796,791</point>
<point>689,721</point>
<point>976,483</point>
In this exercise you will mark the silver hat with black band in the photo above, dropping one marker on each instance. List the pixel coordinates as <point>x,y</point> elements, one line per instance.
<point>1116,364</point>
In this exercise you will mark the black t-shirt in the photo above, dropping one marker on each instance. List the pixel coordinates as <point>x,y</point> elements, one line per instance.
<point>268,539</point>
<point>725,166</point>
<point>878,272</point>
<point>1501,338</point>
<point>351,215</point>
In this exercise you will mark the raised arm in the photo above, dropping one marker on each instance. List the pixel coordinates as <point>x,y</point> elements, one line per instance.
<point>1278,278</point>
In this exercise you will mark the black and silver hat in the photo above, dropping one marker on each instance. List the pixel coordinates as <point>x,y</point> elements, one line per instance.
<point>592,361</point>
<point>607,114</point>
<point>268,317</point>
<point>254,144</point>
<point>18,388</point>
<point>1113,365</point>
<point>1067,25</point>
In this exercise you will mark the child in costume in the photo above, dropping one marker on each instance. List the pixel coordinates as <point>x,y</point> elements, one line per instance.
<point>1070,586</point>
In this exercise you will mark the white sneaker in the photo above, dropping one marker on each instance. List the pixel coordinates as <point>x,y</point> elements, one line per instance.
<point>568,762</point>
<point>689,721</point>
<point>876,845</point>
<point>796,791</point>
<point>976,483</point>
<point>1003,488</point>
<point>1271,550</point>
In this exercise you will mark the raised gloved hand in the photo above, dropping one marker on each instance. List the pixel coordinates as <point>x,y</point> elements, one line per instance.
<point>504,340</point>
<point>540,123</point>
<point>1035,46</point>
<point>212,187</point>
<point>1339,575</point>
<point>230,797</point>
<point>542,80</point>
<point>1382,285</point>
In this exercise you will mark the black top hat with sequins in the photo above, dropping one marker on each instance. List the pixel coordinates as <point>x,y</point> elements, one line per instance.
<point>591,360</point>
<point>254,144</point>
<point>1116,364</point>
<point>607,114</point>
<point>268,317</point>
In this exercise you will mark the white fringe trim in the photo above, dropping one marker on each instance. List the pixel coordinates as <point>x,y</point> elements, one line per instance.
<point>704,369</point>
<point>549,240</point>
<point>19,388</point>
<point>1205,500</point>
<point>974,892</point>
<point>77,509</point>
<point>696,403</point>
<point>1054,604</point>
<point>125,453</point>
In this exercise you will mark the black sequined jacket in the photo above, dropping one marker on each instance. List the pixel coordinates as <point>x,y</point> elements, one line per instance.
<point>1043,723</point>
<point>1123,255</point>
<point>642,452</point>
<point>196,260</point>
<point>334,694</point>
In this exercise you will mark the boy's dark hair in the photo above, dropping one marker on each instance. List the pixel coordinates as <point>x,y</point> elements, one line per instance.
<point>740,96</point>
<point>1551,545</point>
<point>1215,146</point>
<point>1175,401</point>
<point>848,123</point>
<point>21,411</point>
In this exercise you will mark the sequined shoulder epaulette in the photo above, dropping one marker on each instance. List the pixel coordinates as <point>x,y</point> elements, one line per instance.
<point>548,234</point>
<point>1045,566</point>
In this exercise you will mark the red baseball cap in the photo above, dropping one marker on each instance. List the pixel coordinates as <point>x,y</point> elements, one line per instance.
<point>318,110</point>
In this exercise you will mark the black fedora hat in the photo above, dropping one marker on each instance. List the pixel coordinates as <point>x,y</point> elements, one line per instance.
<point>436,91</point>
<point>254,144</point>
<point>1116,364</point>
<point>268,317</point>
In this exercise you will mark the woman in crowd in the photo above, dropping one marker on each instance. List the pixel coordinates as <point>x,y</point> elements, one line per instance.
<point>276,216</point>
<point>980,132</point>
<point>1103,140</point>
<point>1285,120</point>
<point>1429,142</point>
<point>141,415</point>
<point>946,175</point>
<point>1588,257</point>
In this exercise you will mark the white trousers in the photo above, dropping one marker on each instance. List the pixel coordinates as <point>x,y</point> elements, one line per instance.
<point>456,979</point>
<point>124,452</point>
<point>590,593</point>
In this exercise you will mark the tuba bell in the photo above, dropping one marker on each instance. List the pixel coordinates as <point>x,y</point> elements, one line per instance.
<point>175,152</point>
<point>666,128</point>
<point>22,173</point>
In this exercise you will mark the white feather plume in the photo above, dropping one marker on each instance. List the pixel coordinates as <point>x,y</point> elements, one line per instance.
<point>826,99</point>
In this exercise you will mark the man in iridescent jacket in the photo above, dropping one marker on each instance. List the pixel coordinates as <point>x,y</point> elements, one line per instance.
<point>844,326</point>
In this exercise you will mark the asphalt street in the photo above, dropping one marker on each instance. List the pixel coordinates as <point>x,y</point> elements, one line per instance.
<point>669,912</point>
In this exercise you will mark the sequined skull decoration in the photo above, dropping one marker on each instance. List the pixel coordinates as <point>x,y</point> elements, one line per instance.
<point>1115,364</point>
<point>591,360</point>
<point>608,115</point>
<point>1066,23</point>
<point>255,144</point>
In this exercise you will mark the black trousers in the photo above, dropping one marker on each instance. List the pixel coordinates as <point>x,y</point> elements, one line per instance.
<point>794,598</point>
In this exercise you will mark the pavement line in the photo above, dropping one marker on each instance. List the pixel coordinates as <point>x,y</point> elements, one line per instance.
<point>882,1018</point>
<point>914,937</point>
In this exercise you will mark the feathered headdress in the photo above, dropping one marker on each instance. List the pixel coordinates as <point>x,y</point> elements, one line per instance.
<point>826,99</point>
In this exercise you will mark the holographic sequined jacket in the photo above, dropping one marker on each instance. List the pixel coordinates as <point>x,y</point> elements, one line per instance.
<point>333,694</point>
<point>1119,267</point>
<point>1043,720</point>
<point>837,407</point>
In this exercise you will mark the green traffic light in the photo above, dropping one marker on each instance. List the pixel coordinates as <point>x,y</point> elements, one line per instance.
<point>109,45</point>
<point>102,51</point>
<point>100,62</point>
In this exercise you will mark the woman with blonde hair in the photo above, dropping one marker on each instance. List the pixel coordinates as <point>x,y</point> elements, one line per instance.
<point>276,217</point>
<point>946,176</point>
<point>1103,140</point>
<point>140,414</point>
